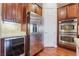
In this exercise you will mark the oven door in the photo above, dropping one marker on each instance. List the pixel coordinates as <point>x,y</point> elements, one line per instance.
<point>68,27</point>
<point>67,39</point>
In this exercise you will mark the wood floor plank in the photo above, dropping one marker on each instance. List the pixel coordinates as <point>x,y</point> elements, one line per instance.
<point>56,52</point>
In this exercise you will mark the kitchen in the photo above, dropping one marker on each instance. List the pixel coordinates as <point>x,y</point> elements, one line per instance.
<point>39,29</point>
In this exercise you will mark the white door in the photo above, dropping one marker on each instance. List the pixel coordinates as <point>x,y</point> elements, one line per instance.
<point>50,26</point>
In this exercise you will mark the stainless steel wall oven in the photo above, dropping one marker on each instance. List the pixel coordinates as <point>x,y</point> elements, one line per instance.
<point>67,31</point>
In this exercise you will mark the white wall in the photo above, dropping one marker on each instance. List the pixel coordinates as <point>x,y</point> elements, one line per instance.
<point>50,24</point>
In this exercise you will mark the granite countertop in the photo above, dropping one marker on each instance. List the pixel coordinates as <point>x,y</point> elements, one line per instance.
<point>12,35</point>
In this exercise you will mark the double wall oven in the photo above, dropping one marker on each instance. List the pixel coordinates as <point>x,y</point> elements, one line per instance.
<point>67,31</point>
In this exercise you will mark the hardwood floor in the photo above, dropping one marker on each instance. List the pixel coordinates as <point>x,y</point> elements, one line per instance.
<point>56,52</point>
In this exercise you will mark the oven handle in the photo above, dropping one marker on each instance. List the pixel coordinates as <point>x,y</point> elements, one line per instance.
<point>69,35</point>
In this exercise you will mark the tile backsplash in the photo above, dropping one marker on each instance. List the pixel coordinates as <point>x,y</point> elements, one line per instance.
<point>10,27</point>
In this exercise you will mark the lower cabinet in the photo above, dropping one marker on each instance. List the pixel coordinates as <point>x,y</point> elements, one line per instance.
<point>67,46</point>
<point>27,45</point>
<point>1,47</point>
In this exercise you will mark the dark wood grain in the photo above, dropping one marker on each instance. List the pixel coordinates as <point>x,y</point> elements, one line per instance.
<point>1,47</point>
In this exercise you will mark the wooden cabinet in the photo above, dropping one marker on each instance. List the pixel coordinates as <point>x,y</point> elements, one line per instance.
<point>67,46</point>
<point>35,8</point>
<point>62,13</point>
<point>13,12</point>
<point>19,13</point>
<point>31,7</point>
<point>1,47</point>
<point>38,10</point>
<point>72,10</point>
<point>68,11</point>
<point>7,12</point>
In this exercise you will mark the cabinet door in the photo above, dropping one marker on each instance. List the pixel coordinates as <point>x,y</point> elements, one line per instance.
<point>38,10</point>
<point>31,7</point>
<point>14,12</point>
<point>19,13</point>
<point>4,11</point>
<point>7,12</point>
<point>62,13</point>
<point>72,10</point>
<point>2,47</point>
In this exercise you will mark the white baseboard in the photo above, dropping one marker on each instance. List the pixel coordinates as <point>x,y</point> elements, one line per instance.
<point>51,46</point>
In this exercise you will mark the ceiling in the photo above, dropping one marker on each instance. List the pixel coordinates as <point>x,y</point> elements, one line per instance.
<point>58,4</point>
<point>61,4</point>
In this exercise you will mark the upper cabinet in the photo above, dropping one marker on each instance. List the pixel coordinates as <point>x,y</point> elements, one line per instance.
<point>35,8</point>
<point>12,12</point>
<point>7,11</point>
<point>31,7</point>
<point>17,12</point>
<point>62,13</point>
<point>38,10</point>
<point>72,10</point>
<point>68,11</point>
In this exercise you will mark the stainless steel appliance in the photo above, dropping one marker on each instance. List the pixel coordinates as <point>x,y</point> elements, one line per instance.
<point>68,26</point>
<point>67,31</point>
<point>14,46</point>
<point>67,39</point>
<point>35,32</point>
